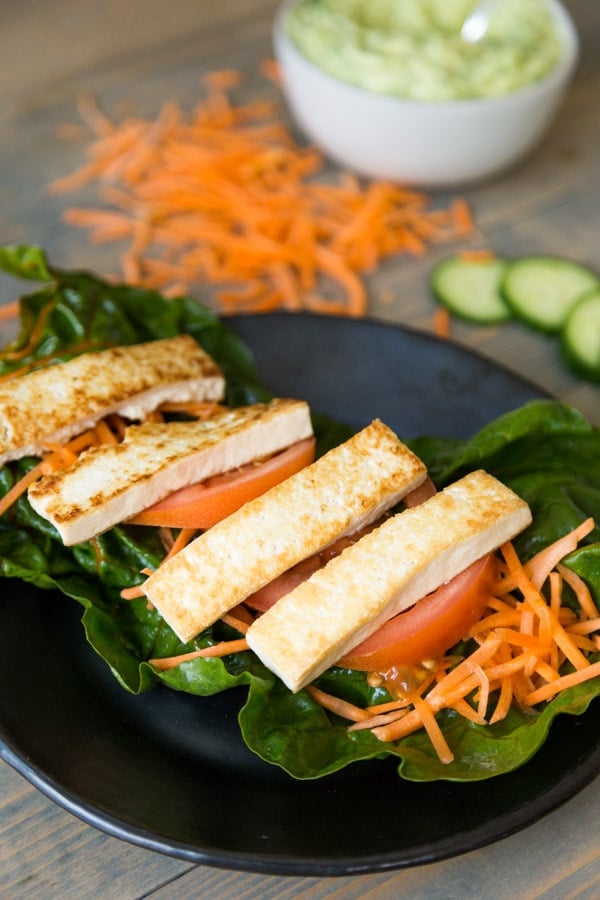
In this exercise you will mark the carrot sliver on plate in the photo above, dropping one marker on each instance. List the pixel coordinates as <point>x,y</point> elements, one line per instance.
<point>9,311</point>
<point>224,196</point>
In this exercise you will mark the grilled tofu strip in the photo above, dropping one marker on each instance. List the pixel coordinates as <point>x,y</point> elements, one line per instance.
<point>60,400</point>
<point>110,484</point>
<point>345,489</point>
<point>387,571</point>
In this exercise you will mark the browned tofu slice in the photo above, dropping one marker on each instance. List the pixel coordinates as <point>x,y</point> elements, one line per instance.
<point>345,489</point>
<point>387,571</point>
<point>58,401</point>
<point>110,484</point>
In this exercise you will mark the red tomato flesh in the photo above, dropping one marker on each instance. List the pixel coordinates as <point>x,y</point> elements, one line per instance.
<point>420,494</point>
<point>203,505</point>
<point>431,626</point>
<point>267,596</point>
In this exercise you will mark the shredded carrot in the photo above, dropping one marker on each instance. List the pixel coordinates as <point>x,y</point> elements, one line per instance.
<point>380,719</point>
<point>391,706</point>
<point>183,538</point>
<point>104,433</point>
<point>225,648</point>
<point>467,712</point>
<point>537,602</point>
<point>166,537</point>
<point>240,619</point>
<point>9,311</point>
<point>441,322</point>
<point>271,69</point>
<point>70,131</point>
<point>587,627</point>
<point>81,442</point>
<point>33,338</point>
<point>462,216</point>
<point>117,425</point>
<point>484,691</point>
<point>406,700</point>
<point>64,454</point>
<point>222,80</point>
<point>385,713</point>
<point>560,684</point>
<point>237,623</point>
<point>132,593</point>
<point>20,486</point>
<point>59,457</point>
<point>582,591</point>
<point>340,707</point>
<point>225,197</point>
<point>524,642</point>
<point>136,591</point>
<point>477,255</point>
<point>41,361</point>
<point>539,567</point>
<point>463,671</point>
<point>92,115</point>
<point>434,732</point>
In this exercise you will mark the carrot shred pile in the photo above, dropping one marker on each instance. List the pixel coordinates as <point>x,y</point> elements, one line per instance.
<point>529,648</point>
<point>224,196</point>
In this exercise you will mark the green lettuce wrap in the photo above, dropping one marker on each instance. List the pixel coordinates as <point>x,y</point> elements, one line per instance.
<point>546,451</point>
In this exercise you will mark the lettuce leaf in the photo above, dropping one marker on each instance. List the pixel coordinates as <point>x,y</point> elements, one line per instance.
<point>545,450</point>
<point>84,313</point>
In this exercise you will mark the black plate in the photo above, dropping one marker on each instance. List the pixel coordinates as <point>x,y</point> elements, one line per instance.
<point>169,772</point>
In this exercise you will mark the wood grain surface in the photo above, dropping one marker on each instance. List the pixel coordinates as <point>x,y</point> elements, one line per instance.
<point>149,51</point>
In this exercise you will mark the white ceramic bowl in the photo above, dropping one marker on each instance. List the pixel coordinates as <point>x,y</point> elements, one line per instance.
<point>422,143</point>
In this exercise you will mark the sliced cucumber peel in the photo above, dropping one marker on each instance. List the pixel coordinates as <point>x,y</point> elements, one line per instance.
<point>542,290</point>
<point>580,339</point>
<point>470,289</point>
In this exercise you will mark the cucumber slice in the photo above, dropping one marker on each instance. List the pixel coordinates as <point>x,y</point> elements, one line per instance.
<point>542,290</point>
<point>581,336</point>
<point>471,288</point>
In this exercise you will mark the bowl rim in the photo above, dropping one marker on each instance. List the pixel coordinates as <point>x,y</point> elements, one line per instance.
<point>559,73</point>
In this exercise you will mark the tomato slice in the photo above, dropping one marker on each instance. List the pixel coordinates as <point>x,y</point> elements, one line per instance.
<point>203,505</point>
<point>431,626</point>
<point>420,494</point>
<point>267,596</point>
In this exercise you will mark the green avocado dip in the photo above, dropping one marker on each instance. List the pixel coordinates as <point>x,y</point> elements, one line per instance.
<point>413,48</point>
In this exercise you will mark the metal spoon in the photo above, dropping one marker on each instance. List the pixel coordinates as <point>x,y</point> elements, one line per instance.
<point>477,22</point>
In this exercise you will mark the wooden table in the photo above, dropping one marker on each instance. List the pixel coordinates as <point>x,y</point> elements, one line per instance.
<point>149,51</point>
